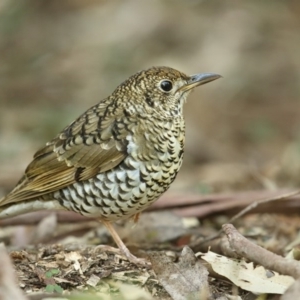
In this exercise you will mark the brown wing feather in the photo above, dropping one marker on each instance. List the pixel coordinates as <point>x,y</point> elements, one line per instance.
<point>85,148</point>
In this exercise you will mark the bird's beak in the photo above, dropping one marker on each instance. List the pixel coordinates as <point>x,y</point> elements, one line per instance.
<point>198,79</point>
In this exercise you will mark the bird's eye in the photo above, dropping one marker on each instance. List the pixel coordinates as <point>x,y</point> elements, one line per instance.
<point>166,85</point>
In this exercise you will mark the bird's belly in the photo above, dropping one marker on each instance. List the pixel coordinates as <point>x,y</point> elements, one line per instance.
<point>123,191</point>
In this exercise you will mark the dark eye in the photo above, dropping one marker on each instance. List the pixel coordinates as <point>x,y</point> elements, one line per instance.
<point>166,85</point>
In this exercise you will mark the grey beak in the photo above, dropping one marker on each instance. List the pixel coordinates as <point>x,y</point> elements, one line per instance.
<point>199,79</point>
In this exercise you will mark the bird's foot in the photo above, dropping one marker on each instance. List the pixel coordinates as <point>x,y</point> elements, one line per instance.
<point>141,262</point>
<point>124,252</point>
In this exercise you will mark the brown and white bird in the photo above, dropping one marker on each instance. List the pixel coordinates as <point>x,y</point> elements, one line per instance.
<point>115,159</point>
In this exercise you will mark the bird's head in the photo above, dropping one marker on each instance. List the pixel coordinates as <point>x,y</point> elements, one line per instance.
<point>159,90</point>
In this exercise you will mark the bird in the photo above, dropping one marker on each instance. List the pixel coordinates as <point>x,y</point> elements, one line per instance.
<point>115,159</point>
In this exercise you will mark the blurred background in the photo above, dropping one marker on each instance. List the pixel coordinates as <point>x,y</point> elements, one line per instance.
<point>57,58</point>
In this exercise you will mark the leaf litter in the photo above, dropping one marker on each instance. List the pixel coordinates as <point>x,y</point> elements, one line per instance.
<point>76,260</point>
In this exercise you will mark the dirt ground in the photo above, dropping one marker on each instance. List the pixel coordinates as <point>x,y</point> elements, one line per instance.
<point>57,58</point>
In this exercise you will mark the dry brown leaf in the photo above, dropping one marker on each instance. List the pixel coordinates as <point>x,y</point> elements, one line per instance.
<point>93,280</point>
<point>74,257</point>
<point>185,279</point>
<point>131,276</point>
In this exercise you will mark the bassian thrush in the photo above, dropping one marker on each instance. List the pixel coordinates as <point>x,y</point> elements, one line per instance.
<point>117,158</point>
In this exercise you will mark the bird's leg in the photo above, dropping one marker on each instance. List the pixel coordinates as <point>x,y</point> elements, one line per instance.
<point>123,249</point>
<point>136,217</point>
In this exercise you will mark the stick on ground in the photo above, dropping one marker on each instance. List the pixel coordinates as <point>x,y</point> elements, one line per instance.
<point>244,248</point>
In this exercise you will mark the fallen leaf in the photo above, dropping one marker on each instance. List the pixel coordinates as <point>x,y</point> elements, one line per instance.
<point>185,279</point>
<point>257,280</point>
<point>74,257</point>
<point>93,280</point>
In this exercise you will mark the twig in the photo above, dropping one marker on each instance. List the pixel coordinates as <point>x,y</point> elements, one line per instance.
<point>243,247</point>
<point>199,242</point>
<point>184,206</point>
<point>292,292</point>
<point>259,202</point>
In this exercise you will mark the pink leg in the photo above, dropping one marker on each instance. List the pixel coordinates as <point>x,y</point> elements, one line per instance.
<point>124,250</point>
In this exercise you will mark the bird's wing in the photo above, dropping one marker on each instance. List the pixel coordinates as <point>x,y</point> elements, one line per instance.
<point>92,144</point>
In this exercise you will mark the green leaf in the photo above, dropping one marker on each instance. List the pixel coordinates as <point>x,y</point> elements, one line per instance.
<point>58,288</point>
<point>52,272</point>
<point>49,288</point>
